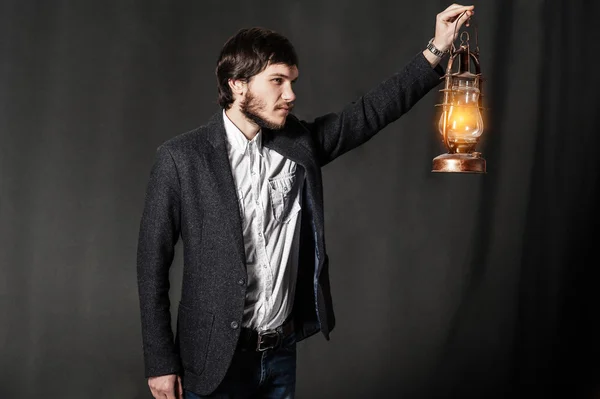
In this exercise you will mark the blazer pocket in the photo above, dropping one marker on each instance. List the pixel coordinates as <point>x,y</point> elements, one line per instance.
<point>194,329</point>
<point>284,197</point>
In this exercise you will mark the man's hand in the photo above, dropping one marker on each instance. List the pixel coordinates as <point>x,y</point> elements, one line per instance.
<point>447,27</point>
<point>166,386</point>
<point>448,23</point>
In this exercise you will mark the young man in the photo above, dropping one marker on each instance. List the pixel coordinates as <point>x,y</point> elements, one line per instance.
<point>245,194</point>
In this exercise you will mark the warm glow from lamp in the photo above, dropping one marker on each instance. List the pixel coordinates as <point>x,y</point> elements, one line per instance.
<point>464,124</point>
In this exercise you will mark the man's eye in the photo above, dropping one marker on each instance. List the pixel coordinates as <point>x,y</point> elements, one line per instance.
<point>278,81</point>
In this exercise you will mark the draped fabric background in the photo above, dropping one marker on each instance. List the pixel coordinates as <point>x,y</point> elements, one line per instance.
<point>445,286</point>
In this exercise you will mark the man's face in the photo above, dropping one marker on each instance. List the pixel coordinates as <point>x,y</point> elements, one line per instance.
<point>269,97</point>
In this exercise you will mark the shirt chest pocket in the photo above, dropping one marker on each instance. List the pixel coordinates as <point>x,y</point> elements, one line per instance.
<point>285,201</point>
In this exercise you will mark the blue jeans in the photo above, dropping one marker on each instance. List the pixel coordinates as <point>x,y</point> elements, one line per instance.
<point>252,374</point>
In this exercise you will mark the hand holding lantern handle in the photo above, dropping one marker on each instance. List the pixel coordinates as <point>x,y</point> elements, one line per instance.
<point>447,25</point>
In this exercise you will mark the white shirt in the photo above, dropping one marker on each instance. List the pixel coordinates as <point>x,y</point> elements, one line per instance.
<point>269,188</point>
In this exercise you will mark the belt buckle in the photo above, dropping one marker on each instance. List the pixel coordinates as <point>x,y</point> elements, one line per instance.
<point>261,340</point>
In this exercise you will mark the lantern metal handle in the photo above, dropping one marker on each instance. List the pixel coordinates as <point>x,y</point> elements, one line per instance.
<point>467,23</point>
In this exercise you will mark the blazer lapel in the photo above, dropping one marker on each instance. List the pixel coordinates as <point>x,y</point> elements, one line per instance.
<point>221,169</point>
<point>288,143</point>
<point>284,142</point>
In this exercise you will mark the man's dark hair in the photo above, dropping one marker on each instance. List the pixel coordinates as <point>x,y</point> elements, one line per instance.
<point>248,53</point>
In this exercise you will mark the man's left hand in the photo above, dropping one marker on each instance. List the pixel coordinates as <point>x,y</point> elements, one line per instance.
<point>448,23</point>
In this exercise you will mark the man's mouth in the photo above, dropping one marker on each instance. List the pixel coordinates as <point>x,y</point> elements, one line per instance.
<point>285,108</point>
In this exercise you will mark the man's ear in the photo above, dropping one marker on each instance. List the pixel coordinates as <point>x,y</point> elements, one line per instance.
<point>238,86</point>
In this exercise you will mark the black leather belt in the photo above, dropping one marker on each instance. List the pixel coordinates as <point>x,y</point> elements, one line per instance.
<point>260,341</point>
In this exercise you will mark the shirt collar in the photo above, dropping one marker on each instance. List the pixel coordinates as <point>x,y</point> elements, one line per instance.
<point>236,138</point>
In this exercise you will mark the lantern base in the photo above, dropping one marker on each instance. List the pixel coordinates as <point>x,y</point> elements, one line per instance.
<point>461,163</point>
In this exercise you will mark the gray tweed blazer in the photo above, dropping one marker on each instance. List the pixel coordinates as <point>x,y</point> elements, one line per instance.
<point>191,194</point>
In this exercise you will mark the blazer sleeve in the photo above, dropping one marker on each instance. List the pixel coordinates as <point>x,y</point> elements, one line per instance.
<point>159,232</point>
<point>337,133</point>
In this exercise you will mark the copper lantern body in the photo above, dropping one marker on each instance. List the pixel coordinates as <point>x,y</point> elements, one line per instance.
<point>461,123</point>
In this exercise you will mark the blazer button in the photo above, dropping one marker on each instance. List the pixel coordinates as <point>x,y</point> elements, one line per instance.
<point>234,325</point>
<point>241,281</point>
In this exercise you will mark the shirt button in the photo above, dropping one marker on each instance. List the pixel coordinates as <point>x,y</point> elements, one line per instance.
<point>253,173</point>
<point>265,265</point>
<point>234,325</point>
<point>241,281</point>
<point>256,202</point>
<point>260,234</point>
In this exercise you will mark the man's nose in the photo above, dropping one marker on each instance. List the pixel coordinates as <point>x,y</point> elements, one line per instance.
<point>288,95</point>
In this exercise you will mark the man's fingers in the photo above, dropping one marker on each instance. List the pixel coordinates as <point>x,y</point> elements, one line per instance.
<point>180,385</point>
<point>164,386</point>
<point>464,18</point>
<point>159,394</point>
<point>451,15</point>
<point>454,7</point>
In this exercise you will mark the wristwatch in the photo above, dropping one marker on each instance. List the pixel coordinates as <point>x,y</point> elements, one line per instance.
<point>434,50</point>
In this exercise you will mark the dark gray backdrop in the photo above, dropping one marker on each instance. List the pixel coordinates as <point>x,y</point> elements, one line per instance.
<point>452,286</point>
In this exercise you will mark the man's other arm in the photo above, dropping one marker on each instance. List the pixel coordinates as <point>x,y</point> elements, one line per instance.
<point>159,232</point>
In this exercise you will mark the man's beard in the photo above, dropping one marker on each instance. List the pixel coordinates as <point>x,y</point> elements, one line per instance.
<point>250,108</point>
